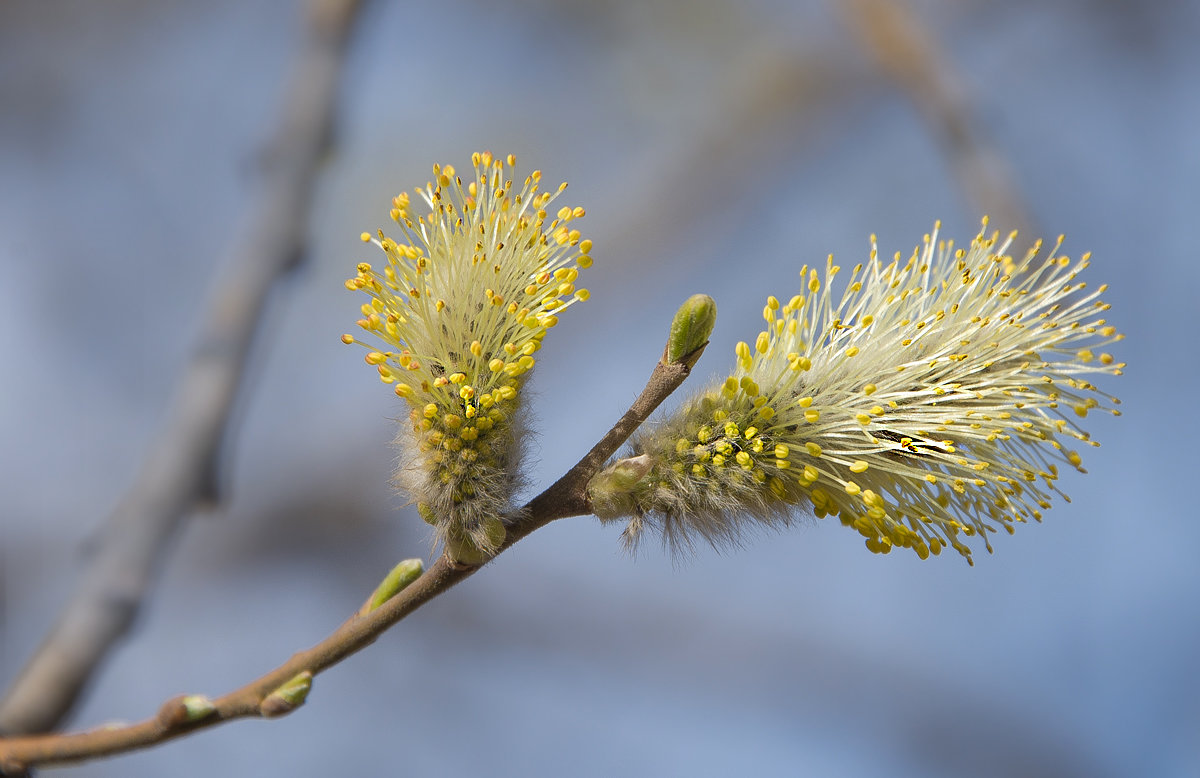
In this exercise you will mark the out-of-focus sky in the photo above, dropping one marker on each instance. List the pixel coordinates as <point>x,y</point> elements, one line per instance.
<point>717,146</point>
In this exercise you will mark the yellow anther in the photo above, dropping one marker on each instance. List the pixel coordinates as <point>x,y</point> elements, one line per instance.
<point>859,466</point>
<point>813,449</point>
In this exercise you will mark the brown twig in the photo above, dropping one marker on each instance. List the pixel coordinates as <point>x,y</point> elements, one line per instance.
<point>910,56</point>
<point>175,478</point>
<point>565,497</point>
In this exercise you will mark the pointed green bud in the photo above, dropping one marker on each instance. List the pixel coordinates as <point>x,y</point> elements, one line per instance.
<point>690,328</point>
<point>611,491</point>
<point>197,707</point>
<point>288,696</point>
<point>401,576</point>
<point>184,709</point>
<point>479,546</point>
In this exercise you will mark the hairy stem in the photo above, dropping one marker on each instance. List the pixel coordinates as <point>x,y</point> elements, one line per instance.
<point>181,715</point>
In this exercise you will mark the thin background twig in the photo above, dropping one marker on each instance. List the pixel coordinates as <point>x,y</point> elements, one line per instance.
<point>177,475</point>
<point>909,54</point>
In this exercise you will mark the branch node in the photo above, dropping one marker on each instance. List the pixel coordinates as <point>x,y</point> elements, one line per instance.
<point>288,696</point>
<point>401,576</point>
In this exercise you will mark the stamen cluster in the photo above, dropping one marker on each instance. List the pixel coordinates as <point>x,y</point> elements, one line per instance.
<point>461,306</point>
<point>933,401</point>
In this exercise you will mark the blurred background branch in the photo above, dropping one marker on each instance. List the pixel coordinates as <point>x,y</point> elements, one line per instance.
<point>911,56</point>
<point>178,475</point>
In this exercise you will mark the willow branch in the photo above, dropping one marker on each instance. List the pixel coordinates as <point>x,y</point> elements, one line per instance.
<point>910,56</point>
<point>260,698</point>
<point>176,476</point>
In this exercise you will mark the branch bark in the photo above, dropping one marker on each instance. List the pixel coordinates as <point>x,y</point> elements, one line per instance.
<point>565,497</point>
<point>176,477</point>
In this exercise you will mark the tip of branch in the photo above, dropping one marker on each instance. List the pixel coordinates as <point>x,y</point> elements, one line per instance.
<point>693,323</point>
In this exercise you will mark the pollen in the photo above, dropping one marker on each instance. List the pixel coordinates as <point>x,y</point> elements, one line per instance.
<point>971,369</point>
<point>441,306</point>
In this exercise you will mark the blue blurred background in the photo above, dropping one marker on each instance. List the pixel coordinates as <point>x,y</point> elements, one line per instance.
<point>717,146</point>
